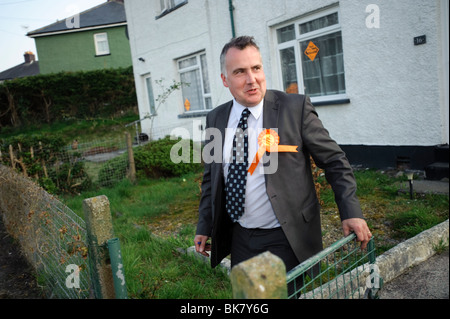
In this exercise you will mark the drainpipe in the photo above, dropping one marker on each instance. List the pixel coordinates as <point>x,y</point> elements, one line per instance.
<point>231,8</point>
<point>115,256</point>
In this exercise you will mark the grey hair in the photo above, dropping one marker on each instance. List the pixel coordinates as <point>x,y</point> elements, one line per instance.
<point>239,43</point>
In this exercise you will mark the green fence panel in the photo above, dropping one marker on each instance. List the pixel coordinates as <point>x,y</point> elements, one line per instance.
<point>341,271</point>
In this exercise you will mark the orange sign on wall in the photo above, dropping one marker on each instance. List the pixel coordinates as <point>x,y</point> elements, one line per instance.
<point>311,51</point>
<point>187,105</point>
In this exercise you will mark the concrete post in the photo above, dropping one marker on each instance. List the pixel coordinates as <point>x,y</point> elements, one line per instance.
<point>261,277</point>
<point>100,230</point>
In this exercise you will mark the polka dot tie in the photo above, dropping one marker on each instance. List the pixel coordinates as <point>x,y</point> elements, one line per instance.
<point>237,171</point>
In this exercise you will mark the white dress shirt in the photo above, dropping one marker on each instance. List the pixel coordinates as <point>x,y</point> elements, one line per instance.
<point>258,211</point>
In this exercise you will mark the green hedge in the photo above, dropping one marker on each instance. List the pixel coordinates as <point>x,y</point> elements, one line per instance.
<point>153,160</point>
<point>54,97</point>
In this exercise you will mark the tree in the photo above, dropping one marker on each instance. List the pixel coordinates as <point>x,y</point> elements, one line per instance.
<point>161,99</point>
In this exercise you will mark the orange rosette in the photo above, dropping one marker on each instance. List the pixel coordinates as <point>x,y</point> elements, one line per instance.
<point>269,141</point>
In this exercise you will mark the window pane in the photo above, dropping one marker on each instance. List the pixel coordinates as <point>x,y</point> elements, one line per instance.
<point>208,103</point>
<point>102,46</point>
<point>286,34</point>
<point>324,75</point>
<point>289,70</point>
<point>151,99</point>
<point>197,89</point>
<point>206,87</point>
<point>174,3</point>
<point>100,37</point>
<point>313,86</point>
<point>320,23</point>
<point>193,91</point>
<point>101,43</point>
<point>187,62</point>
<point>177,2</point>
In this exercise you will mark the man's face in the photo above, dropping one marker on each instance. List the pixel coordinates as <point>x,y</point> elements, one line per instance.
<point>245,75</point>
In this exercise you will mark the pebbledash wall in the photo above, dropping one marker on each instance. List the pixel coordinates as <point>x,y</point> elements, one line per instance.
<point>395,103</point>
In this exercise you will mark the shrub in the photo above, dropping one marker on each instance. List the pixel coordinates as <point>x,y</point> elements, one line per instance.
<point>45,159</point>
<point>154,161</point>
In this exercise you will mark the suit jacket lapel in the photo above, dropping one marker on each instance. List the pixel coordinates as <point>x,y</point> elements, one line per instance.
<point>222,119</point>
<point>270,120</point>
<point>270,114</point>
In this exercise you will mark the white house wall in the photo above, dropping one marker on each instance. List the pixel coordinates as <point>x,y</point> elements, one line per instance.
<point>392,84</point>
<point>161,42</point>
<point>394,87</point>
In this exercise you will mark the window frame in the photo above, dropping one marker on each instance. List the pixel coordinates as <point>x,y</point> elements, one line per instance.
<point>198,66</point>
<point>167,6</point>
<point>150,99</point>
<point>295,43</point>
<point>98,52</point>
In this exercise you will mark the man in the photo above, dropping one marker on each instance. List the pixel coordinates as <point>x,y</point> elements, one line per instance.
<point>281,213</point>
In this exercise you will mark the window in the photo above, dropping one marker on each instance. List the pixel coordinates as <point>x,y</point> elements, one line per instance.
<point>311,56</point>
<point>101,43</point>
<point>170,5</point>
<point>150,96</point>
<point>196,88</point>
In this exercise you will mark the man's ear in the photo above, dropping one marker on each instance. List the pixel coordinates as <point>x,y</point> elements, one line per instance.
<point>224,79</point>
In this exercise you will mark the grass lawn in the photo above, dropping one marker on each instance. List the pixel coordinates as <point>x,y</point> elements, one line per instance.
<point>155,218</point>
<point>154,265</point>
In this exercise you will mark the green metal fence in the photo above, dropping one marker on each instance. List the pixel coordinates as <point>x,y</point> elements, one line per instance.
<point>341,271</point>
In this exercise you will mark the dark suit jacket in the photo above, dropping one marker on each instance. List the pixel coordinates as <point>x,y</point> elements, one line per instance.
<point>291,189</point>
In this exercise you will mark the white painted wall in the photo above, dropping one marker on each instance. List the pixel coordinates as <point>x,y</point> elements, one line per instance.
<point>444,69</point>
<point>392,84</point>
<point>395,88</point>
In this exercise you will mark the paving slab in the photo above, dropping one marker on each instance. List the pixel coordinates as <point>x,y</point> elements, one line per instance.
<point>428,280</point>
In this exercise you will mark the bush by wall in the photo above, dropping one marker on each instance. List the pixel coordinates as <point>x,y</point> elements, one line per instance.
<point>153,159</point>
<point>55,97</point>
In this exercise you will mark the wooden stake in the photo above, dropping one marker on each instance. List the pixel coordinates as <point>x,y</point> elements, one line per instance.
<point>42,161</point>
<point>11,156</point>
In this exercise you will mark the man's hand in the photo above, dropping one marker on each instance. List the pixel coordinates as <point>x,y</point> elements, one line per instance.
<point>359,227</point>
<point>201,246</point>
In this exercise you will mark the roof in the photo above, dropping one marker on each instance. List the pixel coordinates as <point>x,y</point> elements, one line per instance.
<point>20,71</point>
<point>106,14</point>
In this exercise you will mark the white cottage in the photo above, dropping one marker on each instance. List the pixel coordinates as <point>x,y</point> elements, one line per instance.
<point>377,71</point>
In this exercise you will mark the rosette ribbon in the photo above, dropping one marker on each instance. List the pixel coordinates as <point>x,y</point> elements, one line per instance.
<point>268,141</point>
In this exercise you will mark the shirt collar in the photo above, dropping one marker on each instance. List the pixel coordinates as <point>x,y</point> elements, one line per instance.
<point>255,110</point>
